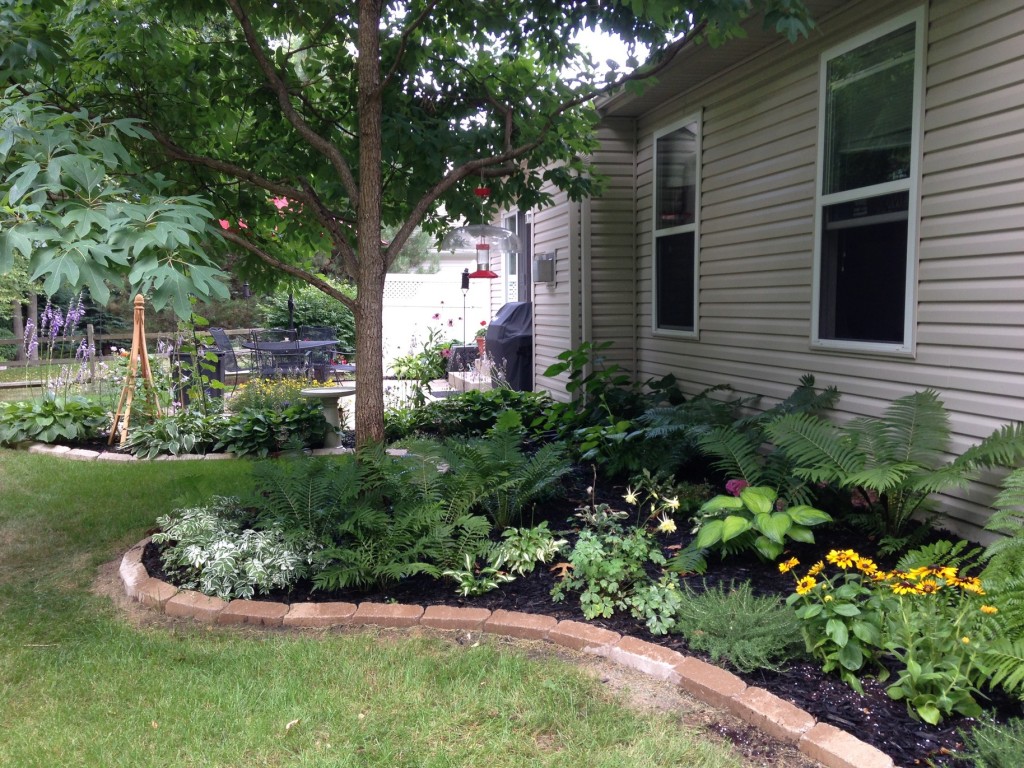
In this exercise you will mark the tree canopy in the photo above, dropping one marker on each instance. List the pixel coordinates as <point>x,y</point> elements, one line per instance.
<point>147,138</point>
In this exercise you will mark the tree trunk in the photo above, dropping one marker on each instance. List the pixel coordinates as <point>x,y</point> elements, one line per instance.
<point>372,265</point>
<point>18,323</point>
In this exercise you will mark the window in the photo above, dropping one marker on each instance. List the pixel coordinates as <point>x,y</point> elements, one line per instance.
<point>676,201</point>
<point>867,179</point>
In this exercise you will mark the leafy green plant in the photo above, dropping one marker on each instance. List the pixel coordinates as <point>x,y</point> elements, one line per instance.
<point>267,394</point>
<point>425,366</point>
<point>607,568</point>
<point>496,475</point>
<point>52,420</point>
<point>311,306</point>
<point>732,623</point>
<point>263,432</point>
<point>401,522</point>
<point>467,414</point>
<point>739,449</point>
<point>993,745</point>
<point>927,622</point>
<point>895,463</point>
<point>753,520</point>
<point>520,549</point>
<point>186,431</point>
<point>215,550</point>
<point>473,580</point>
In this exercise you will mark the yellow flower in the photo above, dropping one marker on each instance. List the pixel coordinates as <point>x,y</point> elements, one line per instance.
<point>630,496</point>
<point>944,572</point>
<point>867,566</point>
<point>989,609</point>
<point>828,598</point>
<point>965,639</point>
<point>667,525</point>
<point>789,565</point>
<point>805,585</point>
<point>971,584</point>
<point>843,558</point>
<point>817,568</point>
<point>672,503</point>
<point>904,587</point>
<point>928,587</point>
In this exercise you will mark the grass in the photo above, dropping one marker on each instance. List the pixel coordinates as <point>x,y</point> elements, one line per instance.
<point>80,686</point>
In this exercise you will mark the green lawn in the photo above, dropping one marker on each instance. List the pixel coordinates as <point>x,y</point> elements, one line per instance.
<point>80,686</point>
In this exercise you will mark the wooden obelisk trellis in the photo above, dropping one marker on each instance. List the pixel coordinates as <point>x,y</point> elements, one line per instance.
<point>139,358</point>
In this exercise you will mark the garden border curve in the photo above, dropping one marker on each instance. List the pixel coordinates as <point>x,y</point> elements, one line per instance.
<point>831,746</point>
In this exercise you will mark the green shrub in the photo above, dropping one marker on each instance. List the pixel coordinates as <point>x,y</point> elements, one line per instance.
<point>734,624</point>
<point>892,464</point>
<point>495,475</point>
<point>467,414</point>
<point>312,307</point>
<point>52,420</point>
<point>992,745</point>
<point>261,432</point>
<point>272,394</point>
<point>187,431</point>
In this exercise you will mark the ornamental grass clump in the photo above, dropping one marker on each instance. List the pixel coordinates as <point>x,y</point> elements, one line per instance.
<point>926,621</point>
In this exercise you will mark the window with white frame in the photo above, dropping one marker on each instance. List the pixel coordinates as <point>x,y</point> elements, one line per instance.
<point>867,189</point>
<point>676,201</point>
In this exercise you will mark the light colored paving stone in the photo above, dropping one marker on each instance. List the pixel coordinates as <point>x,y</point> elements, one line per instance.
<point>445,617</point>
<point>256,612</point>
<point>651,659</point>
<point>339,451</point>
<point>387,614</point>
<point>48,449</point>
<point>155,593</point>
<point>81,454</point>
<point>775,716</point>
<point>709,683</point>
<point>527,626</point>
<point>114,456</point>
<point>583,637</point>
<point>319,614</point>
<point>218,456</point>
<point>839,749</point>
<point>195,605</point>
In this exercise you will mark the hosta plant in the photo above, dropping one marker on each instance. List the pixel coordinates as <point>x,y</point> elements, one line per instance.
<point>52,420</point>
<point>753,520</point>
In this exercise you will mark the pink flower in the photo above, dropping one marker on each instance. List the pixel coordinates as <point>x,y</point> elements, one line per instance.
<point>436,316</point>
<point>242,224</point>
<point>224,224</point>
<point>859,500</point>
<point>735,486</point>
<point>279,202</point>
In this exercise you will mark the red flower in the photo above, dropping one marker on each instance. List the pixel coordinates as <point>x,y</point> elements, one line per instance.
<point>224,224</point>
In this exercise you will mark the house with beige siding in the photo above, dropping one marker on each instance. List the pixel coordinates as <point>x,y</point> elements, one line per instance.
<point>851,205</point>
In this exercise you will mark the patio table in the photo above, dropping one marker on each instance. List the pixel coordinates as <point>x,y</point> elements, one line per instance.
<point>290,355</point>
<point>328,397</point>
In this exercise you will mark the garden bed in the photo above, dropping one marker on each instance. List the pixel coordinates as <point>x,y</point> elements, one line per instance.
<point>872,717</point>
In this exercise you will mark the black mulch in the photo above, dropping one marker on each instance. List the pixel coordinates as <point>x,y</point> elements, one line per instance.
<point>872,717</point>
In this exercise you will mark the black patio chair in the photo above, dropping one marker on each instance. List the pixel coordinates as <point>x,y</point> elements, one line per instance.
<point>226,351</point>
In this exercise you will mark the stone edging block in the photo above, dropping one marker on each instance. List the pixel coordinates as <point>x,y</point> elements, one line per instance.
<point>388,614</point>
<point>838,749</point>
<point>257,612</point>
<point>319,614</point>
<point>526,626</point>
<point>778,718</point>
<point>445,617</point>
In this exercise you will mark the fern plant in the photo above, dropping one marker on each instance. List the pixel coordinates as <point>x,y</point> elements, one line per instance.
<point>892,464</point>
<point>400,522</point>
<point>495,475</point>
<point>739,450</point>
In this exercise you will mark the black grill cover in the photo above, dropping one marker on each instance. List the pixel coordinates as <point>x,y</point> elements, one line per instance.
<point>510,345</point>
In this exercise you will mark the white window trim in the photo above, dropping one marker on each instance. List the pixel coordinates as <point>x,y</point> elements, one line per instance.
<point>697,118</point>
<point>910,185</point>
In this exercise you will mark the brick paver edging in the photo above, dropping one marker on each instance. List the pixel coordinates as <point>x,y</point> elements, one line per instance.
<point>85,454</point>
<point>828,745</point>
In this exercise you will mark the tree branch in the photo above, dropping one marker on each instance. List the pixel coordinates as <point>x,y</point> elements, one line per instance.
<point>406,33</point>
<point>280,89</point>
<point>251,247</point>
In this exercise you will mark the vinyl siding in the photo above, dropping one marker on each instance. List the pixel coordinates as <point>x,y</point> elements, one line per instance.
<point>759,133</point>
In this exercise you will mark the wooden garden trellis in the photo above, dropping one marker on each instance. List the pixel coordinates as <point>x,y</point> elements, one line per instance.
<point>139,356</point>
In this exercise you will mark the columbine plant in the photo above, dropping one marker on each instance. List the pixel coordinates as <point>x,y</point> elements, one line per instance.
<point>928,621</point>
